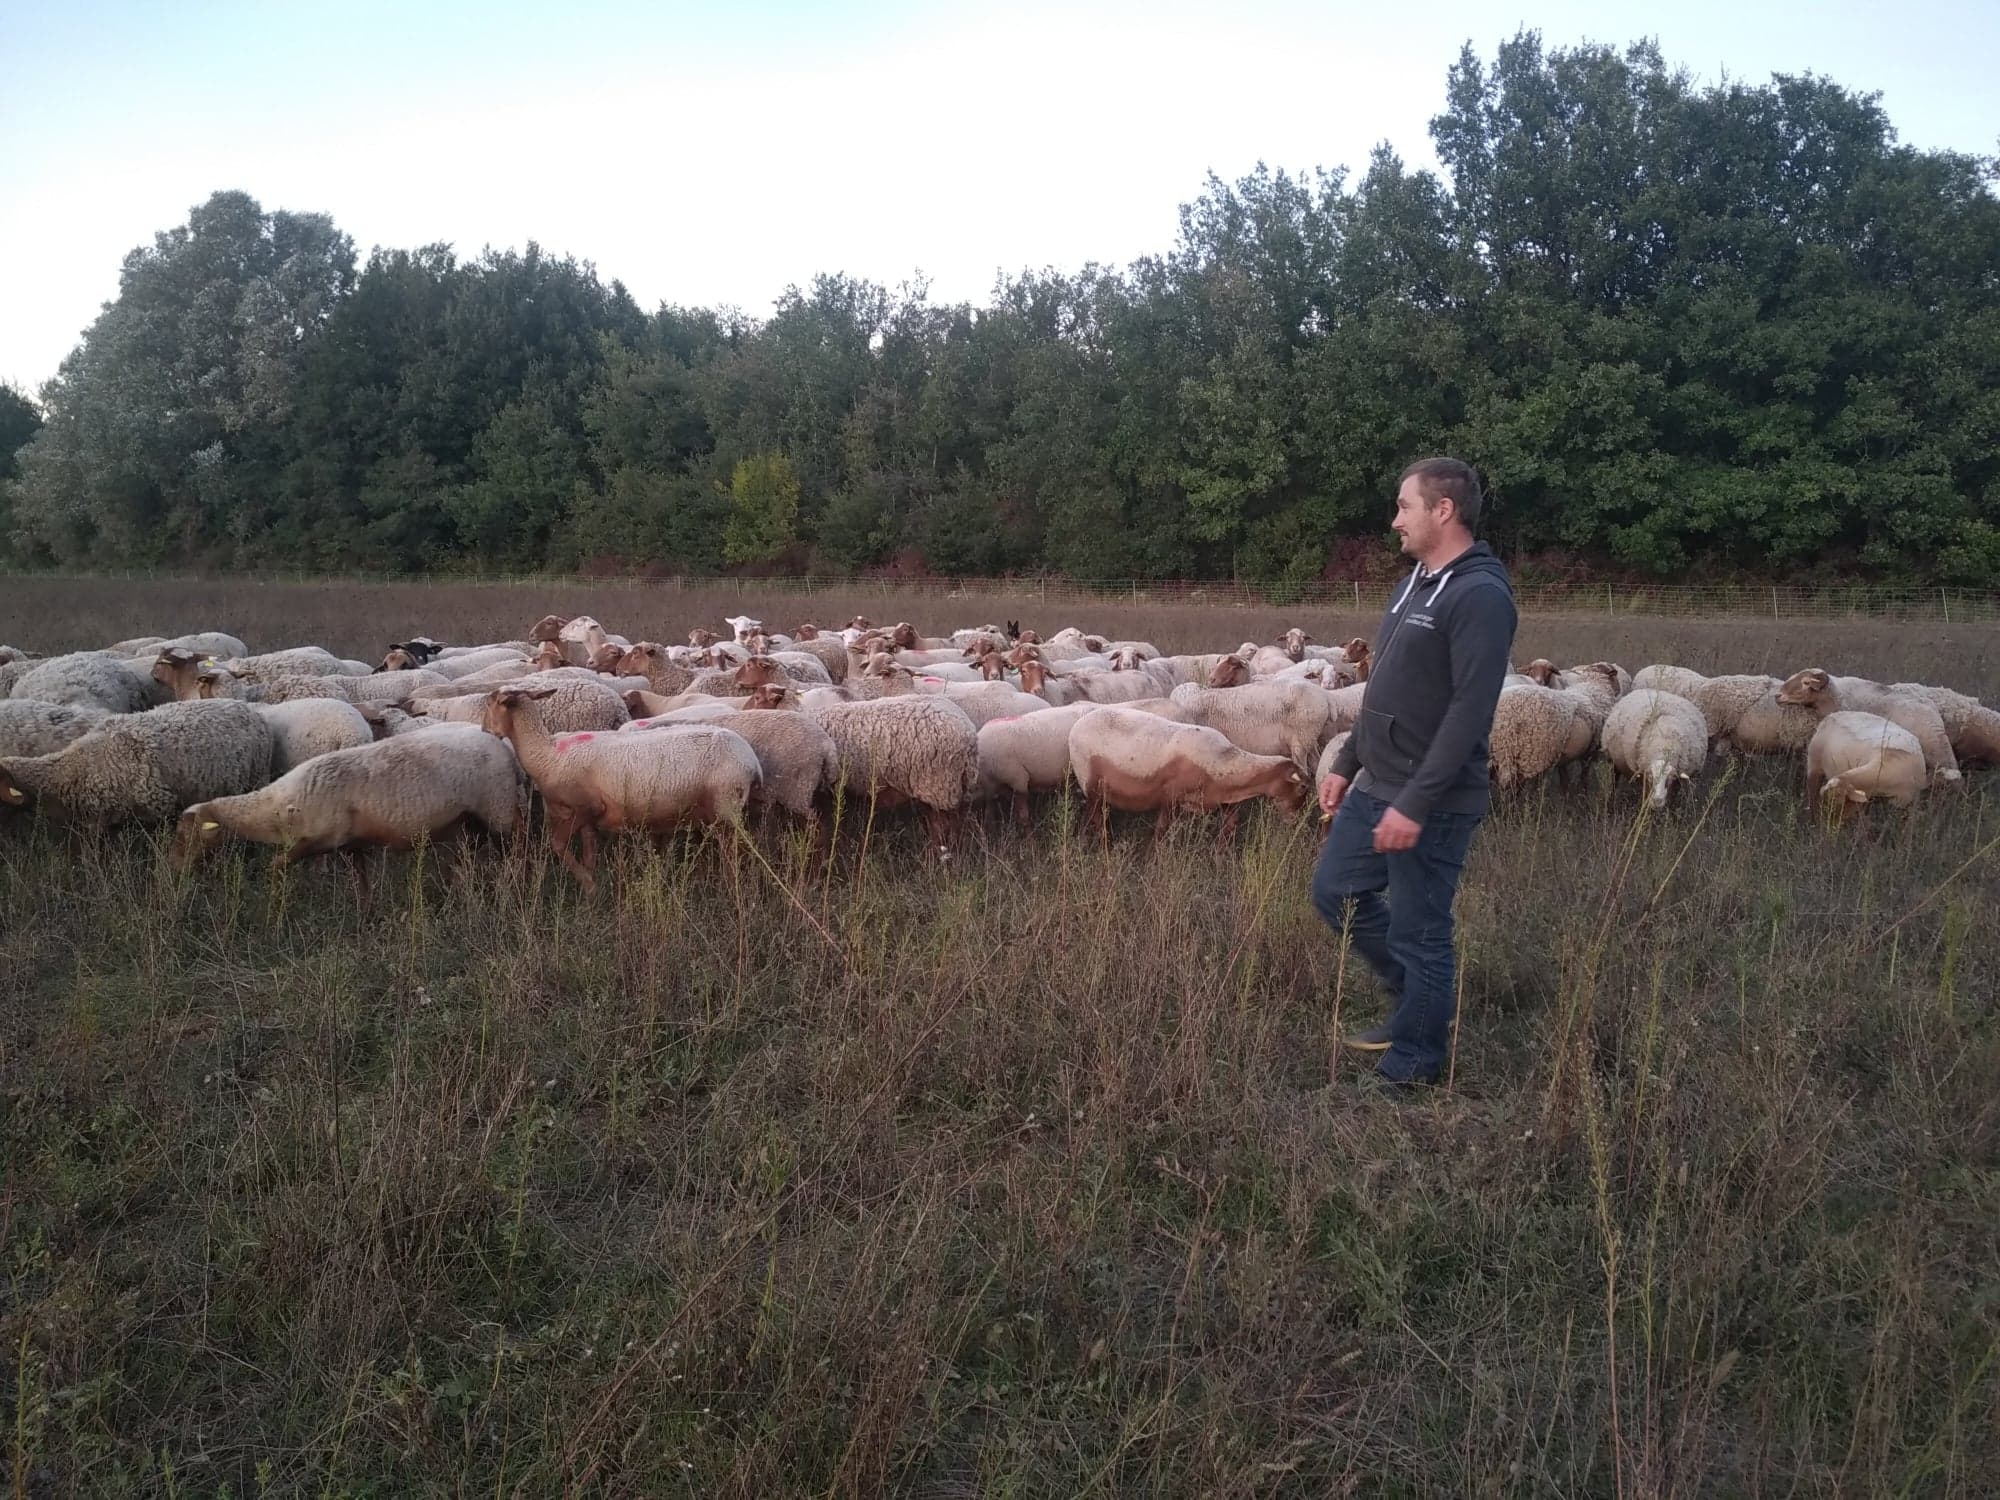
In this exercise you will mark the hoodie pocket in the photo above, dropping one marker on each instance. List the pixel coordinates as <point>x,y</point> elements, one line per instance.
<point>1382,748</point>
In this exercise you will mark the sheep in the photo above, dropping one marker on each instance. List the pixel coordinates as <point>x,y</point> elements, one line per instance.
<point>1855,756</point>
<point>1343,706</point>
<point>201,642</point>
<point>31,727</point>
<point>909,748</point>
<point>985,700</point>
<point>1138,762</point>
<point>1974,728</point>
<point>1824,694</point>
<point>796,757</point>
<point>395,793</point>
<point>12,672</point>
<point>312,727</point>
<point>314,661</point>
<point>783,665</point>
<point>1768,727</point>
<point>91,680</point>
<point>649,659</point>
<point>1534,731</point>
<point>457,667</point>
<point>146,766</point>
<point>1024,753</point>
<point>13,654</point>
<point>694,773</point>
<point>1657,736</point>
<point>1329,754</point>
<point>1288,719</point>
<point>581,701</point>
<point>1723,701</point>
<point>828,652</point>
<point>1677,680</point>
<point>707,711</point>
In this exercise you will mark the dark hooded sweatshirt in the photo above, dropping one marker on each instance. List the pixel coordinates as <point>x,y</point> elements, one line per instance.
<point>1437,666</point>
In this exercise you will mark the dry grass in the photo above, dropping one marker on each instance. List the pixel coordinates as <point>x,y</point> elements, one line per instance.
<point>1015,1176</point>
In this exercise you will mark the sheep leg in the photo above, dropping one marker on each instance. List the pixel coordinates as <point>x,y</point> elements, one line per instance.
<point>562,828</point>
<point>1022,819</point>
<point>1163,821</point>
<point>1227,831</point>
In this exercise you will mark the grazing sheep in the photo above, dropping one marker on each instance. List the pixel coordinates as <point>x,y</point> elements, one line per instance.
<point>658,781</point>
<point>1857,756</point>
<point>664,675</point>
<point>909,748</point>
<point>1266,718</point>
<point>1723,701</point>
<point>394,793</point>
<point>1769,727</point>
<point>1330,754</point>
<point>1823,694</point>
<point>1677,680</point>
<point>314,661</point>
<point>1974,728</point>
<point>1138,762</point>
<point>146,766</point>
<point>1659,737</point>
<point>580,701</point>
<point>87,679</point>
<point>312,727</point>
<point>31,727</point>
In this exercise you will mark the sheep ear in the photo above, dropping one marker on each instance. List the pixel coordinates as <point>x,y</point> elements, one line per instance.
<point>547,692</point>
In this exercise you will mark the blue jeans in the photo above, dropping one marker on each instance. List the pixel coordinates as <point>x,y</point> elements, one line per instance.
<point>1408,940</point>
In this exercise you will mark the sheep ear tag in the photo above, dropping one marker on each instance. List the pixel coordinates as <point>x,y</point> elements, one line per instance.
<point>209,827</point>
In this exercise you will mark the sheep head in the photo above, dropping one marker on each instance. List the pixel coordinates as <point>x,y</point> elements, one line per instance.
<point>743,625</point>
<point>398,659</point>
<point>904,636</point>
<point>174,669</point>
<point>1294,642</point>
<point>861,622</point>
<point>1231,671</point>
<point>772,695</point>
<point>1806,687</point>
<point>1034,675</point>
<point>1542,670</point>
<point>195,834</point>
<point>1022,654</point>
<point>701,638</point>
<point>501,708</point>
<point>549,656</point>
<point>209,680</point>
<point>606,658</point>
<point>1292,791</point>
<point>11,794</point>
<point>548,628</point>
<point>1024,637</point>
<point>992,666</point>
<point>758,671</point>
<point>806,632</point>
<point>377,715</point>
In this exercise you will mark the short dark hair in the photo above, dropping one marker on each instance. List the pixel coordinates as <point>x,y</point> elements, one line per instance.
<point>1448,479</point>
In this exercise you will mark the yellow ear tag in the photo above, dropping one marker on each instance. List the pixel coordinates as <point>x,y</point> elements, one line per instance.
<point>206,826</point>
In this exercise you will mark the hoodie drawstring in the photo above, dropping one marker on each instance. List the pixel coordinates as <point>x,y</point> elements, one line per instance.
<point>1408,589</point>
<point>1439,589</point>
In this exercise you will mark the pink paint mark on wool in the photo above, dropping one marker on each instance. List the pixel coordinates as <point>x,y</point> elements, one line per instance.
<point>1008,719</point>
<point>570,741</point>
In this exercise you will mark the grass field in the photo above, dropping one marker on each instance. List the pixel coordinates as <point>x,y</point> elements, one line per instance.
<point>1018,1174</point>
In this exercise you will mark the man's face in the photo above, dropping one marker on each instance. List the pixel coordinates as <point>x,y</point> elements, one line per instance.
<point>1416,523</point>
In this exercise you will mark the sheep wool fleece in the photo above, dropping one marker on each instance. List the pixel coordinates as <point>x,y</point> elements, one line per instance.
<point>1420,744</point>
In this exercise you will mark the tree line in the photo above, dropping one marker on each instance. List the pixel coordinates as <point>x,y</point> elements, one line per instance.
<point>1678,327</point>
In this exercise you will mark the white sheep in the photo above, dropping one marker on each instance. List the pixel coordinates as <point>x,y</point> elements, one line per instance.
<point>1973,727</point>
<point>1657,736</point>
<point>1668,679</point>
<point>909,748</point>
<point>394,793</point>
<point>1026,753</point>
<point>146,766</point>
<point>580,701</point>
<point>1266,718</point>
<point>1855,756</point>
<point>1139,762</point>
<point>311,727</point>
<point>1535,730</point>
<point>29,726</point>
<point>91,680</point>
<point>1815,689</point>
<point>796,758</point>
<point>653,782</point>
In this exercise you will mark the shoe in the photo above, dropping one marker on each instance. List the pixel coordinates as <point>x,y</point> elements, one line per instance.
<point>1374,1039</point>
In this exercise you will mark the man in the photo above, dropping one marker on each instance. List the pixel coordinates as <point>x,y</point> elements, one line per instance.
<point>1406,820</point>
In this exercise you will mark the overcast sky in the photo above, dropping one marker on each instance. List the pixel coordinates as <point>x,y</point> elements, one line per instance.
<point>714,154</point>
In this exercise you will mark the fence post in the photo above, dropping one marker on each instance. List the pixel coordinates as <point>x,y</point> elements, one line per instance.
<point>1357,596</point>
<point>1944,603</point>
<point>1609,607</point>
<point>1774,601</point>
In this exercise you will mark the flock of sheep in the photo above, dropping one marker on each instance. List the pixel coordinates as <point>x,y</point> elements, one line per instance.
<point>313,753</point>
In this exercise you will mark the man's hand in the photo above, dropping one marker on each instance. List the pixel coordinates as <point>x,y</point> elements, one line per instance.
<point>1331,790</point>
<point>1396,833</point>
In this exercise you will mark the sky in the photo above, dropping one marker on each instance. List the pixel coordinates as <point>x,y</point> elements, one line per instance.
<point>712,155</point>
